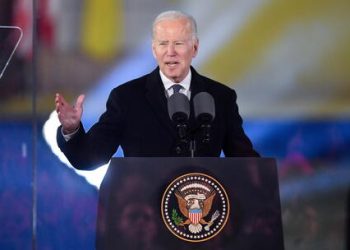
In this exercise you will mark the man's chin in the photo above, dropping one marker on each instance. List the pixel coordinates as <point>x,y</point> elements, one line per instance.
<point>173,77</point>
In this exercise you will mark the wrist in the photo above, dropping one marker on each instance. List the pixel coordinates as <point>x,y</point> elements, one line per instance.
<point>68,131</point>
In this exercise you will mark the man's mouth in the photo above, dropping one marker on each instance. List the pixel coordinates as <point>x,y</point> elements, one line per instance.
<point>171,64</point>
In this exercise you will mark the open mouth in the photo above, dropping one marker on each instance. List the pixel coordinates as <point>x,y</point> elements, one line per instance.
<point>171,64</point>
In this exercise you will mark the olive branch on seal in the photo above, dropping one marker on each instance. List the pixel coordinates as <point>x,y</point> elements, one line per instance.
<point>175,217</point>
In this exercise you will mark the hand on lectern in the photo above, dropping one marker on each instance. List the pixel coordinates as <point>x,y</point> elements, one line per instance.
<point>68,115</point>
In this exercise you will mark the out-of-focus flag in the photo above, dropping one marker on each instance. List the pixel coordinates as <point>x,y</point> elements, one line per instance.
<point>296,51</point>
<point>102,28</point>
<point>46,23</point>
<point>23,18</point>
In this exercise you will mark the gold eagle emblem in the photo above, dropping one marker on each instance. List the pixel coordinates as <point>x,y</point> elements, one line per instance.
<point>195,205</point>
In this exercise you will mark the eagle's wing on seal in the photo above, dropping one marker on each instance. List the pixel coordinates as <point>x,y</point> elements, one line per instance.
<point>207,204</point>
<point>182,205</point>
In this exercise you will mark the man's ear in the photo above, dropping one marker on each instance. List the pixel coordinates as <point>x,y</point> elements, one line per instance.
<point>195,48</point>
<point>153,49</point>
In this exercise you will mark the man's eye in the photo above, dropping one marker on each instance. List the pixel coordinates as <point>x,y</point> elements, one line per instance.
<point>179,43</point>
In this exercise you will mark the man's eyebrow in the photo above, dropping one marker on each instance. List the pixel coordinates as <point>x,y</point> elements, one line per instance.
<point>176,41</point>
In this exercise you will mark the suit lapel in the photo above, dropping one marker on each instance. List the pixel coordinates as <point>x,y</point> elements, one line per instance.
<point>155,94</point>
<point>198,84</point>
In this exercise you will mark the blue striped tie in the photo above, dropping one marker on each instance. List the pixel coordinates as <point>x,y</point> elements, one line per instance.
<point>176,88</point>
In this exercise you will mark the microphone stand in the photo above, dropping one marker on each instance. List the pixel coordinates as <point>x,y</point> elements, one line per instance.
<point>182,144</point>
<point>192,148</point>
<point>181,130</point>
<point>205,138</point>
<point>206,132</point>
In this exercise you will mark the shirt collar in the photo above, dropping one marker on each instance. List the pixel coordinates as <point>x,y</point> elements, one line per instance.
<point>185,83</point>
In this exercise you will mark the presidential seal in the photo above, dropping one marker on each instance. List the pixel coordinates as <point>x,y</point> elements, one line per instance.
<point>195,207</point>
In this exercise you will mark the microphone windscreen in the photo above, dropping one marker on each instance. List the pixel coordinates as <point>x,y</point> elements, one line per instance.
<point>204,107</point>
<point>178,107</point>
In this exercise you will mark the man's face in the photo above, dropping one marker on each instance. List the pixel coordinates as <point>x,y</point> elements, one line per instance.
<point>174,47</point>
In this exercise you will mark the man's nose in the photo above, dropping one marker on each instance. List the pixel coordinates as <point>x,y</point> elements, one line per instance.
<point>171,49</point>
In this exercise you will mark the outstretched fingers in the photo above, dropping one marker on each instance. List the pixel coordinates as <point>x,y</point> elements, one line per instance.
<point>69,115</point>
<point>79,102</point>
<point>60,103</point>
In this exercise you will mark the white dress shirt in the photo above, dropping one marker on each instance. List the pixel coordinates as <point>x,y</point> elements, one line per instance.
<point>185,83</point>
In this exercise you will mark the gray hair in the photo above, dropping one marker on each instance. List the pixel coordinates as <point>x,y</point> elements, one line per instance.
<point>173,15</point>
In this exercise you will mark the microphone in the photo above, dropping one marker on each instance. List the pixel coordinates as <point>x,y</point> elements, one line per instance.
<point>204,111</point>
<point>179,112</point>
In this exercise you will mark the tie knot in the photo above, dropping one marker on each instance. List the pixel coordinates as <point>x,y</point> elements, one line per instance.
<point>176,88</point>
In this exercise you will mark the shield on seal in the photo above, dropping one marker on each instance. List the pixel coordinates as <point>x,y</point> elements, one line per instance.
<point>195,215</point>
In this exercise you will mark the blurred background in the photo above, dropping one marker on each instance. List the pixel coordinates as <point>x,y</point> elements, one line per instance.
<point>287,60</point>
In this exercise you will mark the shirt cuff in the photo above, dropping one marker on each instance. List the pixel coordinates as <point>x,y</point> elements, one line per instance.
<point>69,136</point>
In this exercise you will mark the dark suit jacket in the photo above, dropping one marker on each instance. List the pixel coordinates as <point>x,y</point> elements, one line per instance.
<point>137,119</point>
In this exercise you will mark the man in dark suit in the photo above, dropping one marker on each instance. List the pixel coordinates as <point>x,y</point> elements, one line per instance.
<point>136,117</point>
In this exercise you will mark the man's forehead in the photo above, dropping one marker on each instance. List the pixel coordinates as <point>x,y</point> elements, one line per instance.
<point>165,34</point>
<point>173,24</point>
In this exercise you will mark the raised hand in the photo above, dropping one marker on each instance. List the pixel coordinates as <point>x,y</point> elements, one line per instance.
<point>68,115</point>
